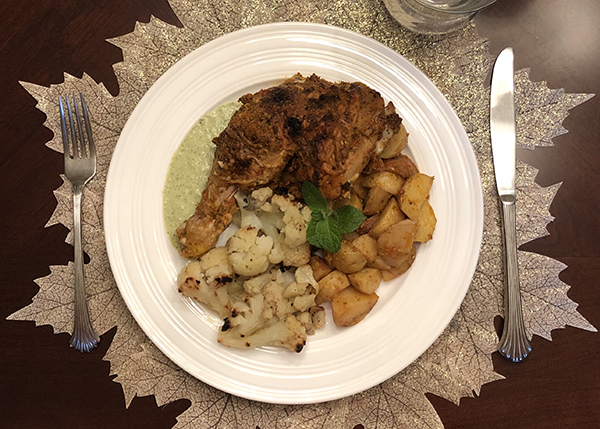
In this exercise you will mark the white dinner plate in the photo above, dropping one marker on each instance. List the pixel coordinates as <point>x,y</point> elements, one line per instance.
<point>412,311</point>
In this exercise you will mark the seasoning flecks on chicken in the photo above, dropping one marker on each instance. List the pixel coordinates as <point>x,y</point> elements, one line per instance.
<point>306,129</point>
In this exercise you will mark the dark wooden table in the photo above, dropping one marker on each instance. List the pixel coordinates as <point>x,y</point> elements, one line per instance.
<point>45,384</point>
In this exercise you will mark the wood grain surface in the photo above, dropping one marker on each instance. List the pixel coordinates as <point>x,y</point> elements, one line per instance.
<point>45,384</point>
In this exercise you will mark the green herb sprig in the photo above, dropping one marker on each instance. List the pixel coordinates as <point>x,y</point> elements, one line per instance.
<point>327,226</point>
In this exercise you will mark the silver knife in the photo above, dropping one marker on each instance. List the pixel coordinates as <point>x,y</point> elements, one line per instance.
<point>513,343</point>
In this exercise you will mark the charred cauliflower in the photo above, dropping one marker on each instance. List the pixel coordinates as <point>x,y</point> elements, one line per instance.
<point>286,332</point>
<point>207,280</point>
<point>260,302</point>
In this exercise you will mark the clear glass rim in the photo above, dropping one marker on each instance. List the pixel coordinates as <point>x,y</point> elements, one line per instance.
<point>468,7</point>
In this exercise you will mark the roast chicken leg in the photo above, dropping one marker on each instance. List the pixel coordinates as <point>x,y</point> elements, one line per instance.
<point>306,129</point>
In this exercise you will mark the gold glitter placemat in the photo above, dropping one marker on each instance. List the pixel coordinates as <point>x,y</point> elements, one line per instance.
<point>459,362</point>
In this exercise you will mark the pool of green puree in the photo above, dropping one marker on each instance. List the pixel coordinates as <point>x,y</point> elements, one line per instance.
<point>190,167</point>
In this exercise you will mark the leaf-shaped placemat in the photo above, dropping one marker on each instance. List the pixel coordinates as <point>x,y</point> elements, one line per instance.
<point>459,362</point>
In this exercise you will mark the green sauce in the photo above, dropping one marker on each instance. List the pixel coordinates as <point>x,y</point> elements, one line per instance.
<point>190,167</point>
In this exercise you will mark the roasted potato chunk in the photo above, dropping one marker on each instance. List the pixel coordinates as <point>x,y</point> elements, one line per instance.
<point>426,223</point>
<point>414,192</point>
<point>397,241</point>
<point>366,245</point>
<point>403,267</point>
<point>331,285</point>
<point>379,263</point>
<point>359,189</point>
<point>396,144</point>
<point>319,266</point>
<point>402,165</point>
<point>376,201</point>
<point>351,200</point>
<point>366,280</point>
<point>351,306</point>
<point>386,180</point>
<point>389,216</point>
<point>348,259</point>
<point>368,224</point>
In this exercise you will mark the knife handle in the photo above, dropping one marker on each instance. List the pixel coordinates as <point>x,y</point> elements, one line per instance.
<point>514,344</point>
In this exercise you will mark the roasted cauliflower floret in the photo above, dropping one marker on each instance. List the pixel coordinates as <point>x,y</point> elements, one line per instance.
<point>302,292</point>
<point>285,332</point>
<point>275,303</point>
<point>216,266</point>
<point>303,302</point>
<point>254,285</point>
<point>295,289</point>
<point>259,197</point>
<point>193,282</point>
<point>312,319</point>
<point>295,256</point>
<point>294,231</point>
<point>317,313</point>
<point>280,218</point>
<point>246,315</point>
<point>248,252</point>
<point>304,274</point>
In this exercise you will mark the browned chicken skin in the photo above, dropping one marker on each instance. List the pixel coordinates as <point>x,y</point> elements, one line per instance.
<point>306,129</point>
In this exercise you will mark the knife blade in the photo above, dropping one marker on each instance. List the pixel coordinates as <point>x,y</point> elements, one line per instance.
<point>502,125</point>
<point>514,343</point>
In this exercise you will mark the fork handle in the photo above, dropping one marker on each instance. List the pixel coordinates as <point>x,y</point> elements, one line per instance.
<point>84,337</point>
<point>514,344</point>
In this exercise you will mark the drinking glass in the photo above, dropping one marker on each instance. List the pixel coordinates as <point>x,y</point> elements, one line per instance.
<point>435,16</point>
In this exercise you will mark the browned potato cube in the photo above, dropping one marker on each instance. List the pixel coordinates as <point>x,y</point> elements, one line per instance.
<point>396,144</point>
<point>348,259</point>
<point>328,257</point>
<point>402,165</point>
<point>331,285</point>
<point>351,235</point>
<point>319,267</point>
<point>367,224</point>
<point>376,201</point>
<point>396,242</point>
<point>386,180</point>
<point>403,267</point>
<point>389,216</point>
<point>366,245</point>
<point>366,280</point>
<point>414,192</point>
<point>350,200</point>
<point>351,306</point>
<point>426,223</point>
<point>379,263</point>
<point>359,189</point>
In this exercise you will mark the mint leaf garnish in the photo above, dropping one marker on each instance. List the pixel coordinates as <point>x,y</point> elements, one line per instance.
<point>313,198</point>
<point>311,232</point>
<point>329,234</point>
<point>326,227</point>
<point>349,218</point>
<point>317,215</point>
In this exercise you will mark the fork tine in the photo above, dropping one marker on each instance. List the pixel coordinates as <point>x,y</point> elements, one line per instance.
<point>73,135</point>
<point>63,126</point>
<point>81,140</point>
<point>88,127</point>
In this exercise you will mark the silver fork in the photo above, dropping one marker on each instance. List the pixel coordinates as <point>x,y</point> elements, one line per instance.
<point>80,167</point>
